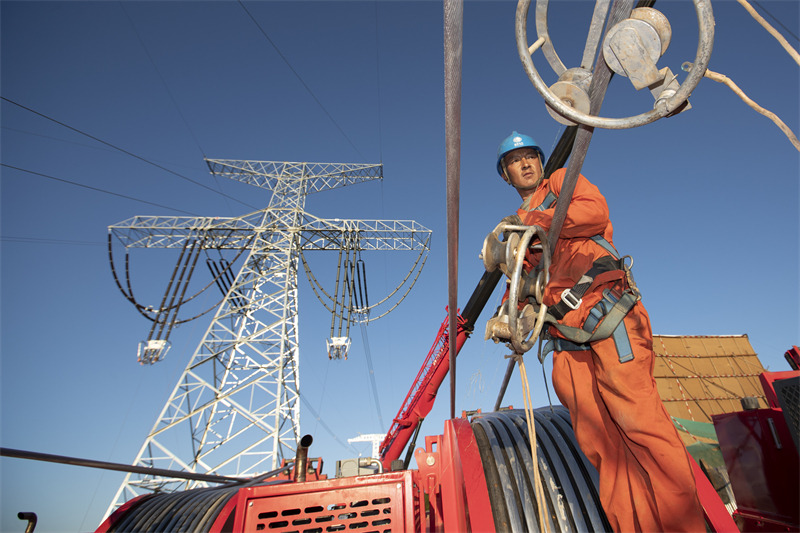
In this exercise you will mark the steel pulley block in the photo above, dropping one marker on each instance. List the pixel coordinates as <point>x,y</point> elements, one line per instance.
<point>519,328</point>
<point>498,328</point>
<point>632,47</point>
<point>572,88</point>
<point>498,254</point>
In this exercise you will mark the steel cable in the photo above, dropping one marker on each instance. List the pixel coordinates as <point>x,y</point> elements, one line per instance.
<point>453,41</point>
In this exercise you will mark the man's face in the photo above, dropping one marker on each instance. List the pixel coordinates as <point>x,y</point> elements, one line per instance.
<point>524,169</point>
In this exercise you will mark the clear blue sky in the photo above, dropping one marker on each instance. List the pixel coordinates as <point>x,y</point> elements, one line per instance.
<point>706,202</point>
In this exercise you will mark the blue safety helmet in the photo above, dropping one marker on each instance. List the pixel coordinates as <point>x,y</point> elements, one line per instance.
<point>512,142</point>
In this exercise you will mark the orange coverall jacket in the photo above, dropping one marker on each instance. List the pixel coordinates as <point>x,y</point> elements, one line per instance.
<point>646,479</point>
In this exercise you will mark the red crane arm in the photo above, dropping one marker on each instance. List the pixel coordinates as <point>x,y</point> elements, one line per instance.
<point>420,398</point>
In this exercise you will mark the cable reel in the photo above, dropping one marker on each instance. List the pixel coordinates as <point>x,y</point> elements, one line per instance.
<point>630,48</point>
<point>519,328</point>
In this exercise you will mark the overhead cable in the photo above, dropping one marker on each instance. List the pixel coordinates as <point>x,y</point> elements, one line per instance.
<point>371,372</point>
<point>297,75</point>
<point>140,158</point>
<point>721,78</point>
<point>11,238</point>
<point>96,189</point>
<point>163,81</point>
<point>778,22</point>
<point>324,425</point>
<point>378,83</point>
<point>772,31</point>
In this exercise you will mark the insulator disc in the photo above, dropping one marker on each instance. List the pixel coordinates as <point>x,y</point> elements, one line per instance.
<point>191,510</point>
<point>569,480</point>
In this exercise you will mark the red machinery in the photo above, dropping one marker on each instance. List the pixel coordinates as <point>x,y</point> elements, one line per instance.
<point>761,455</point>
<point>476,475</point>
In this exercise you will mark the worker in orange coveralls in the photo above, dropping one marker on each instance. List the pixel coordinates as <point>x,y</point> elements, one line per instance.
<point>646,479</point>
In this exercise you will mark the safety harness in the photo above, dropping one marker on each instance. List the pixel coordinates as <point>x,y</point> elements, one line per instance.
<point>606,317</point>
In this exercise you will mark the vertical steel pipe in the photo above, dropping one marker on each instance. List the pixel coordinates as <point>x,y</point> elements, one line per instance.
<point>301,458</point>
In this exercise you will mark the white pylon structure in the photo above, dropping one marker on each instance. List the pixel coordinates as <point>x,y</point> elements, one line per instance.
<point>374,438</point>
<point>235,409</point>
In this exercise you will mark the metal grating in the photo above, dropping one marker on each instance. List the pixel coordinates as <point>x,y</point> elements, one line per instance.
<point>788,393</point>
<point>362,515</point>
<point>365,504</point>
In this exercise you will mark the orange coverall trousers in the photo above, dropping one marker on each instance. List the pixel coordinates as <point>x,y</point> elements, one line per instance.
<point>646,480</point>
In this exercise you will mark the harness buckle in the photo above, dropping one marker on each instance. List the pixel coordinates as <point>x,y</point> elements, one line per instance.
<point>570,300</point>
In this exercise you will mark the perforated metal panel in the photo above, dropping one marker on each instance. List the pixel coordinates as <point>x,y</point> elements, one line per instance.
<point>379,504</point>
<point>373,514</point>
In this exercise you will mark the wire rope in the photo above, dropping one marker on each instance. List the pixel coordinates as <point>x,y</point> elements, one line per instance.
<point>302,81</point>
<point>95,189</point>
<point>453,48</point>
<point>378,82</point>
<point>529,419</point>
<point>371,372</point>
<point>323,424</point>
<point>163,81</point>
<point>772,31</point>
<point>725,80</point>
<point>777,21</point>
<point>322,391</point>
<point>37,240</point>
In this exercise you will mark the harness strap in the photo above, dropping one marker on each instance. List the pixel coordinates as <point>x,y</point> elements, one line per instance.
<point>548,201</point>
<point>572,298</point>
<point>605,325</point>
<point>615,324</point>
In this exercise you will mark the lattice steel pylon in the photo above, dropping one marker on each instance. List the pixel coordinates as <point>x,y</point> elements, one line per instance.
<point>238,396</point>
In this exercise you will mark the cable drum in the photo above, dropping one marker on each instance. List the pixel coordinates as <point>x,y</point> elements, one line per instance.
<point>569,479</point>
<point>190,511</point>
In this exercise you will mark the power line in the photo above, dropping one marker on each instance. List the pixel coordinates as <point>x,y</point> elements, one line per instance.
<point>264,33</point>
<point>171,96</point>
<point>781,24</point>
<point>378,81</point>
<point>11,238</point>
<point>95,189</point>
<point>324,425</point>
<point>84,145</point>
<point>163,81</point>
<point>124,151</point>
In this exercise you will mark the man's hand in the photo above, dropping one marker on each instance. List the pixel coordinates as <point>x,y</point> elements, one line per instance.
<point>514,220</point>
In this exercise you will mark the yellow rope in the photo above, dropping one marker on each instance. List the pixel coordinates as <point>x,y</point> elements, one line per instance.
<point>538,489</point>
<point>721,78</point>
<point>772,31</point>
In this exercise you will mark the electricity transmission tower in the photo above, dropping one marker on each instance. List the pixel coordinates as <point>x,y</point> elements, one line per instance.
<point>235,408</point>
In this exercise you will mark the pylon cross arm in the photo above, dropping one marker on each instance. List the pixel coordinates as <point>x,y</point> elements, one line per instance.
<point>236,233</point>
<point>172,232</point>
<point>318,176</point>
<point>331,234</point>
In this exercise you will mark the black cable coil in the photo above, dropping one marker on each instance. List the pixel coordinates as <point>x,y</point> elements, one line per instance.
<point>570,481</point>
